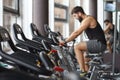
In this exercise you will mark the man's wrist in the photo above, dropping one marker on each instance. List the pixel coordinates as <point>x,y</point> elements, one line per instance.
<point>65,41</point>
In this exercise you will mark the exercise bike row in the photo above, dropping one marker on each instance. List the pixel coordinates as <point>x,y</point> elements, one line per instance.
<point>30,56</point>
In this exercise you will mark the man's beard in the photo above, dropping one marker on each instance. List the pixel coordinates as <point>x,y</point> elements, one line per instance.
<point>80,19</point>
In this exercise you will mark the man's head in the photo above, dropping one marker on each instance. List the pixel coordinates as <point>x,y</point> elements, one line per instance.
<point>77,13</point>
<point>106,22</point>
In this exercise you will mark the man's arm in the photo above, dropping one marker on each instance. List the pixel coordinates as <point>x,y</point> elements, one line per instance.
<point>107,28</point>
<point>84,25</point>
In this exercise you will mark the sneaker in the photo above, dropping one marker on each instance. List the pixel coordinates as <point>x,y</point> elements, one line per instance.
<point>83,74</point>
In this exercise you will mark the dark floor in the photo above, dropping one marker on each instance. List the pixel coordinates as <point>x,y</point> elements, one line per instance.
<point>109,58</point>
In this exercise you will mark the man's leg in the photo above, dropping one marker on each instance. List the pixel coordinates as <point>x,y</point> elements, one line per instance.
<point>86,61</point>
<point>109,46</point>
<point>79,48</point>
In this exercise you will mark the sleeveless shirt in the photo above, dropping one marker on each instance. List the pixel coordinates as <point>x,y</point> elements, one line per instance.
<point>96,34</point>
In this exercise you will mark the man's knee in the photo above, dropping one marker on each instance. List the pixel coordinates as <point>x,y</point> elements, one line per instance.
<point>76,46</point>
<point>81,46</point>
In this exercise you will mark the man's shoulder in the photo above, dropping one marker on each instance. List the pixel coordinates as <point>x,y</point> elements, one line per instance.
<point>89,19</point>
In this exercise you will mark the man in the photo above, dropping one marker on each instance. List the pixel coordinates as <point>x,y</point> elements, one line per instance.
<point>109,31</point>
<point>96,43</point>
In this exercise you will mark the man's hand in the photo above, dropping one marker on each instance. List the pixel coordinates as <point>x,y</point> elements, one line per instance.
<point>61,43</point>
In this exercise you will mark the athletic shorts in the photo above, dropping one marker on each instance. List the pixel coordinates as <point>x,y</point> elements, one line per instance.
<point>95,46</point>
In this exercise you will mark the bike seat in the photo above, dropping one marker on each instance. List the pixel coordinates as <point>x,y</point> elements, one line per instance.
<point>38,37</point>
<point>24,41</point>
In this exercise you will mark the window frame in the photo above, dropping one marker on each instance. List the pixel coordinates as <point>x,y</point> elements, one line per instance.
<point>57,5</point>
<point>11,10</point>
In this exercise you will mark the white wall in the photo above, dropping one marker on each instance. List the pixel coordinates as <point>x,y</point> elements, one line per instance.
<point>27,17</point>
<point>51,14</point>
<point>100,15</point>
<point>77,23</point>
<point>1,12</point>
<point>66,25</point>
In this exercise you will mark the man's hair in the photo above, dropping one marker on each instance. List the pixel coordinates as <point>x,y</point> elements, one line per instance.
<point>77,9</point>
<point>106,20</point>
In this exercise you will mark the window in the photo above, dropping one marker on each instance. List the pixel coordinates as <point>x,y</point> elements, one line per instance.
<point>11,6</point>
<point>61,16</point>
<point>10,13</point>
<point>11,10</point>
<point>61,12</point>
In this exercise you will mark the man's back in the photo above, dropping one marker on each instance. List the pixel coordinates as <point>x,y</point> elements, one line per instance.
<point>94,30</point>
